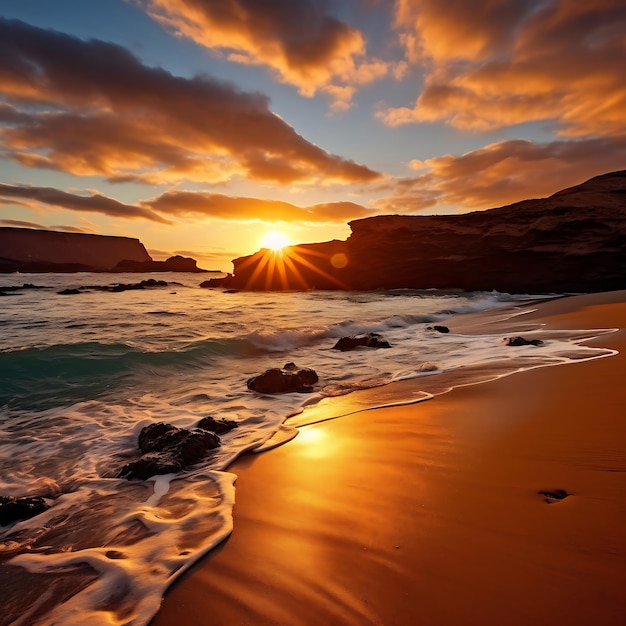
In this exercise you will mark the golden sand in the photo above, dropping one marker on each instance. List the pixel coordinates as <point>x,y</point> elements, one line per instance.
<point>431,514</point>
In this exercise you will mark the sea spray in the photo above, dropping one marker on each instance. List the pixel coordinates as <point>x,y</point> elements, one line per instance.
<point>82,374</point>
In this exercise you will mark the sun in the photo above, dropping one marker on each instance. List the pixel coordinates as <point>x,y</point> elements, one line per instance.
<point>274,240</point>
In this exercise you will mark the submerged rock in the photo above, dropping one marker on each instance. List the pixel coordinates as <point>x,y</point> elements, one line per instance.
<point>287,379</point>
<point>16,509</point>
<point>144,284</point>
<point>167,448</point>
<point>371,340</point>
<point>520,341</point>
<point>219,427</point>
<point>439,329</point>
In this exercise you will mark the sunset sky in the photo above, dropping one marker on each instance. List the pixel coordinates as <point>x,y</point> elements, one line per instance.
<point>200,125</point>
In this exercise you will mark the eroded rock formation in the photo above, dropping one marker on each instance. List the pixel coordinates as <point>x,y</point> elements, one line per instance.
<point>31,250</point>
<point>573,241</point>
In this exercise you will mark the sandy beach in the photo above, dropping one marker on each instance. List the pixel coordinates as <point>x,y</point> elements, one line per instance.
<point>432,513</point>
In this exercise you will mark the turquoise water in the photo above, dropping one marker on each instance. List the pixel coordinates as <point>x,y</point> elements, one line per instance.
<point>82,374</point>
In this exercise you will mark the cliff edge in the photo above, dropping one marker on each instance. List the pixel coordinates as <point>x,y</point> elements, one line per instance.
<point>31,250</point>
<point>573,241</point>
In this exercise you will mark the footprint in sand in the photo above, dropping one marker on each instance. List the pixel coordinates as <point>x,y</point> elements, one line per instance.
<point>554,496</point>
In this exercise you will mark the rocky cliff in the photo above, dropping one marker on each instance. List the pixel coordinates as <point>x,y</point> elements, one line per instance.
<point>573,241</point>
<point>30,250</point>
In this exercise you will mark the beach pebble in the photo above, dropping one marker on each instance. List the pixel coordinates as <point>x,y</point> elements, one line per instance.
<point>554,496</point>
<point>520,341</point>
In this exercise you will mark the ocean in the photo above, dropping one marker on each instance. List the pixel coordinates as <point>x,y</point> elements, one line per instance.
<point>82,374</point>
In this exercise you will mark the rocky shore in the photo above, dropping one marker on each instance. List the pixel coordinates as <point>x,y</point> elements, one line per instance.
<point>573,241</point>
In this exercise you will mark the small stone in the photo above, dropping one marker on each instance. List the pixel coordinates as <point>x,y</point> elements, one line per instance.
<point>554,496</point>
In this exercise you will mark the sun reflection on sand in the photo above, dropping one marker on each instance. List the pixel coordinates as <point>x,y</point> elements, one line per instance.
<point>315,442</point>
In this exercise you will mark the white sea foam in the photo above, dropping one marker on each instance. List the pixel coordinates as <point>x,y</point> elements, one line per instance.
<point>83,374</point>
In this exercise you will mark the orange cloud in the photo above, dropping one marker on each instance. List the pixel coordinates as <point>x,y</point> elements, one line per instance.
<point>301,42</point>
<point>503,173</point>
<point>92,108</point>
<point>500,63</point>
<point>172,204</point>
<point>204,204</point>
<point>23,224</point>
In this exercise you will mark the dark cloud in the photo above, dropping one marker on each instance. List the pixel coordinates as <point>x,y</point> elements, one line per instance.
<point>23,224</point>
<point>173,204</point>
<point>91,107</point>
<point>94,203</point>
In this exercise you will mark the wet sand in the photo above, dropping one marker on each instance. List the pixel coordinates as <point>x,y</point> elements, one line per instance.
<point>431,513</point>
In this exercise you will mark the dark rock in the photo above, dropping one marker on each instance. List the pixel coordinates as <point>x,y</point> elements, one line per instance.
<point>16,509</point>
<point>573,241</point>
<point>219,427</point>
<point>80,252</point>
<point>151,282</point>
<point>554,496</point>
<point>167,448</point>
<point>219,282</point>
<point>173,264</point>
<point>371,340</point>
<point>151,464</point>
<point>156,436</point>
<point>439,329</point>
<point>33,250</point>
<point>194,445</point>
<point>68,292</point>
<point>520,341</point>
<point>288,379</point>
<point>23,286</point>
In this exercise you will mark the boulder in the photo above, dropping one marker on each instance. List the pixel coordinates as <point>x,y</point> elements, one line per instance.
<point>287,379</point>
<point>219,427</point>
<point>16,509</point>
<point>167,448</point>
<point>520,341</point>
<point>371,340</point>
<point>156,437</point>
<point>150,465</point>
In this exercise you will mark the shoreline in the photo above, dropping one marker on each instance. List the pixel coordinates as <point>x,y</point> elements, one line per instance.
<point>431,513</point>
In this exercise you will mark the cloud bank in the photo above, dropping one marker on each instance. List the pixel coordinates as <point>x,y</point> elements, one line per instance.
<point>301,43</point>
<point>92,108</point>
<point>503,173</point>
<point>501,63</point>
<point>171,205</point>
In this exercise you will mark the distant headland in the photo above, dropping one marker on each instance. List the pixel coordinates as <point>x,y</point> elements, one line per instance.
<point>30,250</point>
<point>573,241</point>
